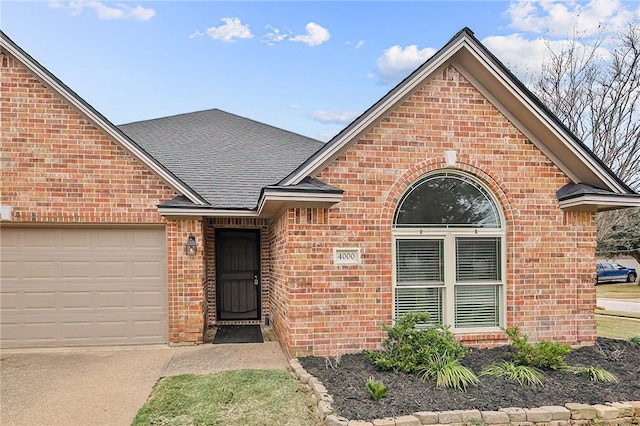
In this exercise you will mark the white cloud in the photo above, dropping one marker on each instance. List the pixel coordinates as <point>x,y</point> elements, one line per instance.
<point>115,11</point>
<point>274,36</point>
<point>196,34</point>
<point>525,57</point>
<point>564,19</point>
<point>358,45</point>
<point>333,117</point>
<point>316,35</point>
<point>231,30</point>
<point>396,62</point>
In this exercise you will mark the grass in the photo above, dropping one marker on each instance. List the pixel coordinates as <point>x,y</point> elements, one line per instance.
<point>618,291</point>
<point>617,327</point>
<point>230,398</point>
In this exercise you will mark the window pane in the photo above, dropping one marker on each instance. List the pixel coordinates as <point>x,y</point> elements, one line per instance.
<point>447,200</point>
<point>419,300</point>
<point>419,262</point>
<point>477,306</point>
<point>478,259</point>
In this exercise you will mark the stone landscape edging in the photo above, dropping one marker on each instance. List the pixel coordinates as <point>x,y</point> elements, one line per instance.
<point>609,414</point>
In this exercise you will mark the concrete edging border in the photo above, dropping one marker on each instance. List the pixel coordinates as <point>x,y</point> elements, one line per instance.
<point>610,414</point>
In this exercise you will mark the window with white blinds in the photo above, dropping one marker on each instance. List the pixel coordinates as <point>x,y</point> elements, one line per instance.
<point>419,262</point>
<point>449,259</point>
<point>419,299</point>
<point>477,259</point>
<point>477,306</point>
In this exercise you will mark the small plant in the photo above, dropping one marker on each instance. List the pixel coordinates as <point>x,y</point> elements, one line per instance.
<point>596,374</point>
<point>544,354</point>
<point>634,340</point>
<point>474,422</point>
<point>447,373</point>
<point>376,389</point>
<point>522,374</point>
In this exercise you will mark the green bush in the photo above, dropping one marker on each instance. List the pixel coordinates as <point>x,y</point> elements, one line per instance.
<point>407,348</point>
<point>544,354</point>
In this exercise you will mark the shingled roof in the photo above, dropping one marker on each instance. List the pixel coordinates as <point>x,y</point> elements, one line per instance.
<point>225,158</point>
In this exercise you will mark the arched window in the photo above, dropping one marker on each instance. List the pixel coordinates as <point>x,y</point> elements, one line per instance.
<point>449,258</point>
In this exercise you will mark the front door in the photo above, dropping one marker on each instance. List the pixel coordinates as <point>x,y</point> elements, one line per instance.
<point>238,274</point>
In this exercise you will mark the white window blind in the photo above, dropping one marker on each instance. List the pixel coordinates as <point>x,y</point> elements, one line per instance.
<point>420,299</point>
<point>477,259</point>
<point>419,262</point>
<point>477,306</point>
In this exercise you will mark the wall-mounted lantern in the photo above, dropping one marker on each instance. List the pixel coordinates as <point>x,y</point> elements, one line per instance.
<point>191,247</point>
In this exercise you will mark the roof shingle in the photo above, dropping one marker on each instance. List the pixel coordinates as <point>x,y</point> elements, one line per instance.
<point>225,158</point>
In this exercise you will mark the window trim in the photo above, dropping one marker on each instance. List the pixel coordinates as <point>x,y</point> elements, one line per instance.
<point>449,235</point>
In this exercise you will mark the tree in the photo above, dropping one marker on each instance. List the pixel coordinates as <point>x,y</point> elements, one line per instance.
<point>596,93</point>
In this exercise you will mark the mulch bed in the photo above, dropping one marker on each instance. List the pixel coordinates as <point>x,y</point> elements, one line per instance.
<point>407,394</point>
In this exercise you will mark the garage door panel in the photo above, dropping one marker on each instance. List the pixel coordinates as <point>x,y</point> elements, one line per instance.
<point>79,286</point>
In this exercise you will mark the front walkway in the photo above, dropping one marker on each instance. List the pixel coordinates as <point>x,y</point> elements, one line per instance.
<point>107,386</point>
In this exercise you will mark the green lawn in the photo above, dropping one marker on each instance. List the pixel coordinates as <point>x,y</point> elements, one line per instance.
<point>616,327</point>
<point>618,291</point>
<point>230,398</point>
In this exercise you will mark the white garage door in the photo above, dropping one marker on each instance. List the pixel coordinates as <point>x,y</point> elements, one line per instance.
<point>82,286</point>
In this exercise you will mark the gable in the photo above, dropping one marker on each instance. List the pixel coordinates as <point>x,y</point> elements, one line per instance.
<point>510,97</point>
<point>10,50</point>
<point>446,114</point>
<point>58,164</point>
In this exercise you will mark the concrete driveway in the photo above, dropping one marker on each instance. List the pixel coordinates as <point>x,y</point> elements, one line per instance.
<point>107,386</point>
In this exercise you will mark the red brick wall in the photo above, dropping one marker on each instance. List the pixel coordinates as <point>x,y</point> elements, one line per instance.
<point>186,283</point>
<point>325,309</point>
<point>57,167</point>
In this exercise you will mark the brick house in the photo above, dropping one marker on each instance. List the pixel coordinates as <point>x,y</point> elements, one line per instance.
<point>457,193</point>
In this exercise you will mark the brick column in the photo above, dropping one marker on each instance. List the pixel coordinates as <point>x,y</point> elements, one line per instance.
<point>185,283</point>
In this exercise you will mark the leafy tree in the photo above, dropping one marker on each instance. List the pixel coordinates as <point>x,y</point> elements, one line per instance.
<point>595,91</point>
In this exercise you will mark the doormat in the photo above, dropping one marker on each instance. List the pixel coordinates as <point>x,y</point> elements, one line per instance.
<point>238,334</point>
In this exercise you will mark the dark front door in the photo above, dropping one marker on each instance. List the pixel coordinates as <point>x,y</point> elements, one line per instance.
<point>238,274</point>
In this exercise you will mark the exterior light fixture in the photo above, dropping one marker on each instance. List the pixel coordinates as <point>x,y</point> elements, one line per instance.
<point>191,247</point>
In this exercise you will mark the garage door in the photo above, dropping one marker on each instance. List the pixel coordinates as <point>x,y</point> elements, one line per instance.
<point>82,287</point>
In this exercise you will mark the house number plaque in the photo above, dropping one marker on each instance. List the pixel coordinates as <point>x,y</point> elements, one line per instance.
<point>346,256</point>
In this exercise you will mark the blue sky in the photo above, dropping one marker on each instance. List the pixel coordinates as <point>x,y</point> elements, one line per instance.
<point>308,67</point>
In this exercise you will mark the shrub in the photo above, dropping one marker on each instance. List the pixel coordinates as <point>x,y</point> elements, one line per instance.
<point>544,354</point>
<point>634,340</point>
<point>521,374</point>
<point>447,372</point>
<point>407,348</point>
<point>376,389</point>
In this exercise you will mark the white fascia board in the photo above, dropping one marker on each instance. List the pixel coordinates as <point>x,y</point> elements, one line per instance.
<point>600,202</point>
<point>104,125</point>
<point>280,197</point>
<point>320,162</point>
<point>559,132</point>
<point>205,212</point>
<point>293,196</point>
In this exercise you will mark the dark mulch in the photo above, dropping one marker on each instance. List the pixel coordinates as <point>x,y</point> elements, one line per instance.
<point>407,394</point>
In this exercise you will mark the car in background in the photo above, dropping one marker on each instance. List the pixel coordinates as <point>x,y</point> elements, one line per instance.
<point>609,271</point>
